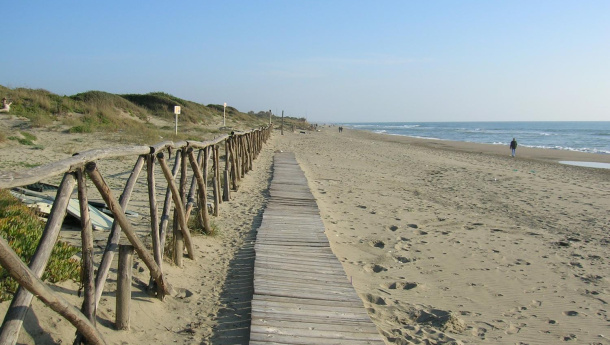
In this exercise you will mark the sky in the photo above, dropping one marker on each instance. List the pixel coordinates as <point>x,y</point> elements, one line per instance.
<point>328,61</point>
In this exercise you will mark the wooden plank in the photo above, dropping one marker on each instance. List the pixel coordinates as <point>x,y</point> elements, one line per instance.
<point>346,334</point>
<point>275,291</point>
<point>307,340</point>
<point>298,268</point>
<point>307,301</point>
<point>349,312</point>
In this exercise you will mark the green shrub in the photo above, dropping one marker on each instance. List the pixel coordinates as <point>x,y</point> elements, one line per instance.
<point>22,229</point>
<point>29,136</point>
<point>86,128</point>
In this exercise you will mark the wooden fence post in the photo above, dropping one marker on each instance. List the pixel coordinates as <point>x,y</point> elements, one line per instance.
<point>215,179</point>
<point>179,205</point>
<point>119,215</point>
<point>167,206</point>
<point>115,233</point>
<point>233,149</point>
<point>192,196</point>
<point>203,198</point>
<point>87,248</point>
<point>123,293</point>
<point>154,217</point>
<point>23,298</point>
<point>178,233</point>
<point>226,186</point>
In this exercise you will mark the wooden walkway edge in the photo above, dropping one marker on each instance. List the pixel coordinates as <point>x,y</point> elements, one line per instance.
<point>301,292</point>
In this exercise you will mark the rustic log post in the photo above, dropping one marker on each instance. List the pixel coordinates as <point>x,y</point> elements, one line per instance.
<point>167,205</point>
<point>28,281</point>
<point>203,209</point>
<point>226,186</point>
<point>206,164</point>
<point>20,304</point>
<point>234,174</point>
<point>179,205</point>
<point>243,156</point>
<point>215,179</point>
<point>119,215</point>
<point>192,191</point>
<point>249,149</point>
<point>178,239</point>
<point>115,233</point>
<point>88,279</point>
<point>123,293</point>
<point>217,172</point>
<point>154,216</point>
<point>87,274</point>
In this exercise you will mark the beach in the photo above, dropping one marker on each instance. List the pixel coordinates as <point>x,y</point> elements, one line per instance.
<point>445,242</point>
<point>449,241</point>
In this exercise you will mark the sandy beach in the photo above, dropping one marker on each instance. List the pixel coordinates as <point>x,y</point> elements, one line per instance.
<point>457,242</point>
<point>446,243</point>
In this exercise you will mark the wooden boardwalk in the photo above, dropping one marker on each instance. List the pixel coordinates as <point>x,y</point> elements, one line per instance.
<point>301,292</point>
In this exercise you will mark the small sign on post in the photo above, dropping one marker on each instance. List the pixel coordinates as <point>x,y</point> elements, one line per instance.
<point>176,113</point>
<point>224,115</point>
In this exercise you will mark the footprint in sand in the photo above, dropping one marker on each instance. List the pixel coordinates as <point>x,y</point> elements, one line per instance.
<point>374,299</point>
<point>400,285</point>
<point>570,313</point>
<point>402,259</point>
<point>377,244</point>
<point>374,268</point>
<point>393,228</point>
<point>413,226</point>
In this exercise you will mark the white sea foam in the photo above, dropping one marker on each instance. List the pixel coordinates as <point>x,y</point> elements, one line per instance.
<point>588,164</point>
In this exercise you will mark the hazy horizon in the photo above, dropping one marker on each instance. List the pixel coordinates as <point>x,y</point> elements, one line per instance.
<point>333,62</point>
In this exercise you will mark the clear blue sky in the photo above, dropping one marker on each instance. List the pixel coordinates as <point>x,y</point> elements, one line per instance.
<point>329,61</point>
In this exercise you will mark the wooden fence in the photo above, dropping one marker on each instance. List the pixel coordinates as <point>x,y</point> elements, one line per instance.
<point>240,148</point>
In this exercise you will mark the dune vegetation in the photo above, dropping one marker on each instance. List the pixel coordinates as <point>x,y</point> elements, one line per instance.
<point>99,111</point>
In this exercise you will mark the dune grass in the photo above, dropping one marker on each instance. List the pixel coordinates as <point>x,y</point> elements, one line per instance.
<point>22,229</point>
<point>98,111</point>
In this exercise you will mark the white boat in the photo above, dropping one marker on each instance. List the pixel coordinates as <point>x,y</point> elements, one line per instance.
<point>43,203</point>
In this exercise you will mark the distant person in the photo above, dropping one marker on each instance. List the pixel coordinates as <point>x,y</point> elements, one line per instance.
<point>513,147</point>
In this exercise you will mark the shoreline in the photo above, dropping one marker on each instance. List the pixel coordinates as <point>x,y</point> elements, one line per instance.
<point>546,154</point>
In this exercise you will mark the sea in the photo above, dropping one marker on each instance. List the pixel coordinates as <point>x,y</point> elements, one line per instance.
<point>592,137</point>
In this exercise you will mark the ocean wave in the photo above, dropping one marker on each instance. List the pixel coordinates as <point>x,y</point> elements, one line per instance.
<point>568,148</point>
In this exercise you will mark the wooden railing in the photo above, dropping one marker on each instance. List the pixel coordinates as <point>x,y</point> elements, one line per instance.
<point>240,148</point>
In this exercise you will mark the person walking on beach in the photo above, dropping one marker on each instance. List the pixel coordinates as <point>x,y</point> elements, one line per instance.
<point>513,147</point>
